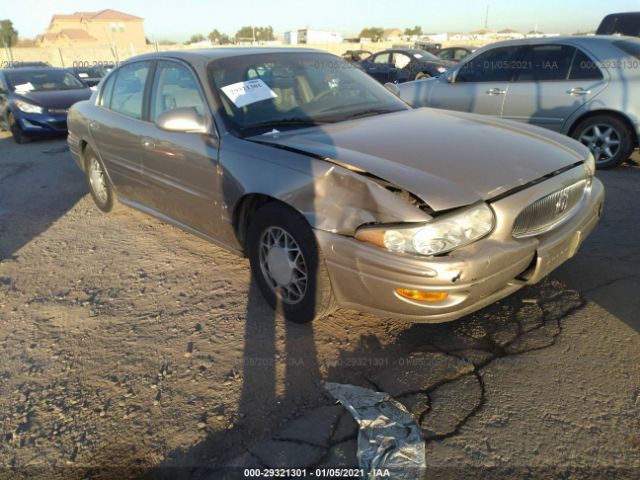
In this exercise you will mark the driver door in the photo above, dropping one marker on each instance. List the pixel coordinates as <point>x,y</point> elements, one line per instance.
<point>181,167</point>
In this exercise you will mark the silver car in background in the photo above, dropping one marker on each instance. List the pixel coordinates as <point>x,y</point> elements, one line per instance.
<point>584,87</point>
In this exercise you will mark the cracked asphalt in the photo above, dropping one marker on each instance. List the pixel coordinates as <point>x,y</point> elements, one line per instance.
<point>130,349</point>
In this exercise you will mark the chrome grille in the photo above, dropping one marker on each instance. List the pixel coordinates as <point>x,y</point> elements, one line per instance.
<point>549,211</point>
<point>58,110</point>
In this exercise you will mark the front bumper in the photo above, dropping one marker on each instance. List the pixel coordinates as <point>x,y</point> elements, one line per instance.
<point>365,277</point>
<point>42,123</point>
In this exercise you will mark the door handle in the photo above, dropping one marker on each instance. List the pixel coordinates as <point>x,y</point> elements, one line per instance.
<point>147,143</point>
<point>496,91</point>
<point>578,91</point>
<point>94,126</point>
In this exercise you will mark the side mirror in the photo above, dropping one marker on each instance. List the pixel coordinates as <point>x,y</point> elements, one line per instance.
<point>185,119</point>
<point>393,88</point>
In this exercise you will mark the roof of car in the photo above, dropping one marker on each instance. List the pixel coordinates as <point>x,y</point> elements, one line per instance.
<point>31,69</point>
<point>225,52</point>
<point>583,39</point>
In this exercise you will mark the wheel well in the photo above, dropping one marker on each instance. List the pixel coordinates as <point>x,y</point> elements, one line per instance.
<point>244,210</point>
<point>620,116</point>
<point>83,147</point>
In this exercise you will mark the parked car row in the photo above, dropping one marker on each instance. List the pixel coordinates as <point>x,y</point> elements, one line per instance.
<point>584,87</point>
<point>337,191</point>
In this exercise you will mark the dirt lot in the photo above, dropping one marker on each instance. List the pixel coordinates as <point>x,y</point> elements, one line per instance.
<point>130,349</point>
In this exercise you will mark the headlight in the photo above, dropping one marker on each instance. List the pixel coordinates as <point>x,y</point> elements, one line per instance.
<point>27,107</point>
<point>441,69</point>
<point>442,235</point>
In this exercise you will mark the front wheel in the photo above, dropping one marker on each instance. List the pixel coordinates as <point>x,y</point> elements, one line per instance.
<point>287,264</point>
<point>608,138</point>
<point>422,75</point>
<point>16,130</point>
<point>99,185</point>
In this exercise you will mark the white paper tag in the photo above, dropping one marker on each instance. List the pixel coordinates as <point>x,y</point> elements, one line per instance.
<point>24,87</point>
<point>246,93</point>
<point>83,75</point>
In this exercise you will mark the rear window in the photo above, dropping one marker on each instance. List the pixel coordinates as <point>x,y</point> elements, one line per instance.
<point>630,47</point>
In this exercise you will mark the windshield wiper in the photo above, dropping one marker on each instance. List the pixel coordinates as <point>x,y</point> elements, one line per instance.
<point>369,113</point>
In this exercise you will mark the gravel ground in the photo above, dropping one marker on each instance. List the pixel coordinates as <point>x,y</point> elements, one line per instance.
<point>131,349</point>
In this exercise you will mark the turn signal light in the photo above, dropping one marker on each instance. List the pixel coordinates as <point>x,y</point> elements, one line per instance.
<point>422,296</point>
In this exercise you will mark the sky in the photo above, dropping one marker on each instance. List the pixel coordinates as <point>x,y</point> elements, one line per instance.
<point>178,20</point>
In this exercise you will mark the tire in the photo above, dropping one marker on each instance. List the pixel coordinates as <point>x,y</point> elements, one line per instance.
<point>609,139</point>
<point>16,131</point>
<point>98,182</point>
<point>421,75</point>
<point>271,228</point>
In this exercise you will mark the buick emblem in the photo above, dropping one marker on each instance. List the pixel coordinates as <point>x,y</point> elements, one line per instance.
<point>562,203</point>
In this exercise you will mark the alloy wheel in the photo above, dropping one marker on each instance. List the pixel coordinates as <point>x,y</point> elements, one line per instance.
<point>98,180</point>
<point>283,265</point>
<point>603,141</point>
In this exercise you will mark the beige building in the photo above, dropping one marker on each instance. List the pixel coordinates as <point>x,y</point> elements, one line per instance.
<point>106,27</point>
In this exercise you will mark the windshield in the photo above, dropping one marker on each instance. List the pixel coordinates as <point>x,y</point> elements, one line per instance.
<point>42,80</point>
<point>269,91</point>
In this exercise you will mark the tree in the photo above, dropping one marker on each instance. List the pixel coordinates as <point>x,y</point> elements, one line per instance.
<point>417,30</point>
<point>198,37</point>
<point>374,33</point>
<point>257,33</point>
<point>8,34</point>
<point>215,36</point>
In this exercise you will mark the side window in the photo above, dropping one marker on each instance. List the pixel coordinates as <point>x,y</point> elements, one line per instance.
<point>446,54</point>
<point>128,91</point>
<point>547,63</point>
<point>174,86</point>
<point>583,68</point>
<point>107,90</point>
<point>460,53</point>
<point>496,65</point>
<point>382,58</point>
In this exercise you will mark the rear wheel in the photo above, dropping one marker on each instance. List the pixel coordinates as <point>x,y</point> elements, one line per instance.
<point>287,264</point>
<point>16,130</point>
<point>99,185</point>
<point>608,138</point>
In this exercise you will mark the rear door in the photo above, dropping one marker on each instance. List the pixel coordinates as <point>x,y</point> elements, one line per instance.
<point>379,66</point>
<point>118,125</point>
<point>481,83</point>
<point>181,168</point>
<point>556,81</point>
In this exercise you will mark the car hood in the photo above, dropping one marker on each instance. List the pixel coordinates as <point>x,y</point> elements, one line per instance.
<point>448,159</point>
<point>55,98</point>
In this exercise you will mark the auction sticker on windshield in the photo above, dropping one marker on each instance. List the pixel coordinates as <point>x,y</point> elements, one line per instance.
<point>246,93</point>
<point>24,87</point>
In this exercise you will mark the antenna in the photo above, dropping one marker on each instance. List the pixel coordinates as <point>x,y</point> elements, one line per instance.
<point>486,18</point>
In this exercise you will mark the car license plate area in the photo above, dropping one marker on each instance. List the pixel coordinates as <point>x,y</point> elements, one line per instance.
<point>551,257</point>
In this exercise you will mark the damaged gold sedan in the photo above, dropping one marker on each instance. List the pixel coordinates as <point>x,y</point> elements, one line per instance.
<point>337,191</point>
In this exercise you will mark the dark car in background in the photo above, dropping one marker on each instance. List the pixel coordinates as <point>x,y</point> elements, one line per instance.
<point>91,75</point>
<point>455,54</point>
<point>627,24</point>
<point>404,65</point>
<point>34,101</point>
<point>355,56</point>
